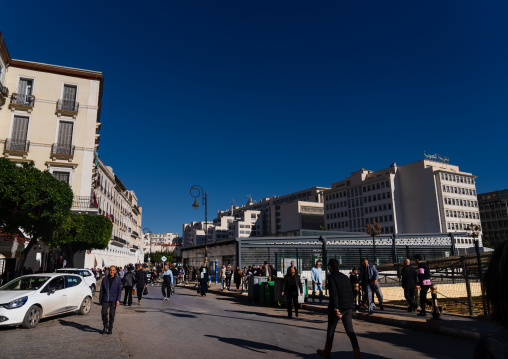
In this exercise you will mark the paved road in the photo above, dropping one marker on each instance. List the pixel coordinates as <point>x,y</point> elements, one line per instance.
<point>191,326</point>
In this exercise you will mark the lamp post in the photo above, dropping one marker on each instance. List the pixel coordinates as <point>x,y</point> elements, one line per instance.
<point>149,232</point>
<point>195,192</point>
<point>373,229</point>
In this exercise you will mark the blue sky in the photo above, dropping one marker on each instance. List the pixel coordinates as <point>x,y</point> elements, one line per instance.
<point>268,97</point>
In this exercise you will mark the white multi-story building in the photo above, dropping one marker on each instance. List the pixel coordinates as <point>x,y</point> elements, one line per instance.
<point>194,233</point>
<point>421,197</point>
<point>160,242</point>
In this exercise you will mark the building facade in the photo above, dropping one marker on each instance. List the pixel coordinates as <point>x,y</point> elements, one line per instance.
<point>420,197</point>
<point>494,216</point>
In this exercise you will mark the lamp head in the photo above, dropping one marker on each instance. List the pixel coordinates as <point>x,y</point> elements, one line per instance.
<point>195,204</point>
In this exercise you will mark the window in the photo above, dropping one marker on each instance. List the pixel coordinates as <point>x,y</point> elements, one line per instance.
<point>71,281</point>
<point>62,176</point>
<point>19,134</point>
<point>64,144</point>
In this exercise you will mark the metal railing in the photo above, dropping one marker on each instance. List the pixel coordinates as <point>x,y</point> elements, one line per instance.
<point>83,202</point>
<point>4,90</point>
<point>17,145</point>
<point>59,149</point>
<point>67,105</point>
<point>22,99</point>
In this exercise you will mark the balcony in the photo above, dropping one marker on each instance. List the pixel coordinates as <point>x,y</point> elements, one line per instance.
<point>22,102</point>
<point>4,94</point>
<point>67,108</point>
<point>64,152</point>
<point>16,147</point>
<point>83,202</point>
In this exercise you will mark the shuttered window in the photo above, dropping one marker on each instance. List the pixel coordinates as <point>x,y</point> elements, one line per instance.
<point>19,133</point>
<point>69,98</point>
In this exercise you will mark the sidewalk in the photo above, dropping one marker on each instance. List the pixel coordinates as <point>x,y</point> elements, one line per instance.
<point>396,316</point>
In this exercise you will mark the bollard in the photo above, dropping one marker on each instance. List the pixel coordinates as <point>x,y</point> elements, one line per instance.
<point>436,311</point>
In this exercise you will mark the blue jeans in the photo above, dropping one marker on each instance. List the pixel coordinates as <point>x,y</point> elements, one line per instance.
<point>372,288</point>
<point>315,288</point>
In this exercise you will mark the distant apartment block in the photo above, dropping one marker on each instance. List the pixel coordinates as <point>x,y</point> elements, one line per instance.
<point>421,197</point>
<point>494,216</point>
<point>161,242</point>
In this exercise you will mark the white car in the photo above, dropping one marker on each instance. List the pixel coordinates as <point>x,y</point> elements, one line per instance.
<point>27,299</point>
<point>87,275</point>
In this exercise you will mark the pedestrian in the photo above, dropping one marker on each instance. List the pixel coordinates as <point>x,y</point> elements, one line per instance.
<point>316,275</point>
<point>223,276</point>
<point>292,265</point>
<point>369,281</point>
<point>128,281</point>
<point>140,282</point>
<point>120,272</point>
<point>495,282</point>
<point>409,284</point>
<point>182,275</point>
<point>424,283</point>
<point>291,284</point>
<point>203,281</point>
<point>340,306</point>
<point>353,279</point>
<point>245,280</point>
<point>268,271</point>
<point>167,282</point>
<point>109,298</point>
<point>229,273</point>
<point>238,278</point>
<point>175,278</point>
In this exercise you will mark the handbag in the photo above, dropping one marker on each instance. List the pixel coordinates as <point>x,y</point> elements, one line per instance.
<point>133,290</point>
<point>145,291</point>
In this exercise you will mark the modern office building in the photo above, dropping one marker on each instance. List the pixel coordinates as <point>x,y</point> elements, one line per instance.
<point>494,217</point>
<point>427,196</point>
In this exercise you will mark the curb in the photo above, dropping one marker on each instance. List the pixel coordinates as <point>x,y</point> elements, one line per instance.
<point>430,326</point>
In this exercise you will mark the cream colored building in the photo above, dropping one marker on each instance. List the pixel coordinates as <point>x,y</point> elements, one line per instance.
<point>160,242</point>
<point>427,196</point>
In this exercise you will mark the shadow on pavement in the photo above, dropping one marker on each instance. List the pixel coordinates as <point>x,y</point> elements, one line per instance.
<point>82,327</point>
<point>252,345</point>
<point>284,315</point>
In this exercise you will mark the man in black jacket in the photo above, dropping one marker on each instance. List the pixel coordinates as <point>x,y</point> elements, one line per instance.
<point>340,306</point>
<point>291,284</point>
<point>128,281</point>
<point>409,284</point>
<point>109,298</point>
<point>423,284</point>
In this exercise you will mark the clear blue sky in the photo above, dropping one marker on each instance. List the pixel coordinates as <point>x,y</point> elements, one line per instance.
<point>268,97</point>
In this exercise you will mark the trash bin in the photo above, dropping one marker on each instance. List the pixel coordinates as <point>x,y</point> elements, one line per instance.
<point>269,292</point>
<point>254,287</point>
<point>262,293</point>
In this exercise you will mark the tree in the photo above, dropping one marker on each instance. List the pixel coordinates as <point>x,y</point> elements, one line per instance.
<point>80,233</point>
<point>32,200</point>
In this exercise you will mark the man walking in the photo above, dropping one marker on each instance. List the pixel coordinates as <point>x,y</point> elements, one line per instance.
<point>369,280</point>
<point>223,275</point>
<point>291,284</point>
<point>141,280</point>
<point>423,284</point>
<point>167,282</point>
<point>229,273</point>
<point>316,276</point>
<point>267,270</point>
<point>409,284</point>
<point>339,307</point>
<point>129,279</point>
<point>353,279</point>
<point>109,298</point>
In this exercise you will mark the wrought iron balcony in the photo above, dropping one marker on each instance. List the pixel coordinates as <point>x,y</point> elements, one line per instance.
<point>17,145</point>
<point>67,107</point>
<point>4,94</point>
<point>83,202</point>
<point>64,150</point>
<point>22,101</point>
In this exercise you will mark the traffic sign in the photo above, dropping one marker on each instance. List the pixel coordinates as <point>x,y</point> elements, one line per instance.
<point>163,259</point>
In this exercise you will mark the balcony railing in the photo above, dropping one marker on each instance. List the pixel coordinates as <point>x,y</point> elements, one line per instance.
<point>17,145</point>
<point>83,202</point>
<point>4,94</point>
<point>59,149</point>
<point>69,106</point>
<point>22,99</point>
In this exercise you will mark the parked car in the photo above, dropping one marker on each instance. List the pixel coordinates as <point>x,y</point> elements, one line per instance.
<point>87,275</point>
<point>28,299</point>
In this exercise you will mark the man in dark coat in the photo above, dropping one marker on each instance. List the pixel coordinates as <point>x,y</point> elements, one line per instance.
<point>369,281</point>
<point>291,284</point>
<point>109,297</point>
<point>203,280</point>
<point>409,284</point>
<point>339,307</point>
<point>423,284</point>
<point>141,280</point>
<point>129,279</point>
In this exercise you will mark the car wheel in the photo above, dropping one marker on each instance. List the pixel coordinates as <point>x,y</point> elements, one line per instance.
<point>32,317</point>
<point>93,289</point>
<point>85,307</point>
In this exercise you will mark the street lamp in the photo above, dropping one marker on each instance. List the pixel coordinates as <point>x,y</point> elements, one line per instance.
<point>195,192</point>
<point>149,232</point>
<point>373,229</point>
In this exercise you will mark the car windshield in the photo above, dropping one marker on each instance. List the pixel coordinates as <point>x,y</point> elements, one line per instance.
<point>25,283</point>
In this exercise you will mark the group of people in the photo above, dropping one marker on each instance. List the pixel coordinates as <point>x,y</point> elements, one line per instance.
<point>241,277</point>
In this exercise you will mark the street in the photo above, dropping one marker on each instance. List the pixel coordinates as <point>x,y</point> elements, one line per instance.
<point>191,326</point>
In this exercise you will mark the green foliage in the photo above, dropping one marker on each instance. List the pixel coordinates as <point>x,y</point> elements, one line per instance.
<point>156,257</point>
<point>32,200</point>
<point>81,232</point>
